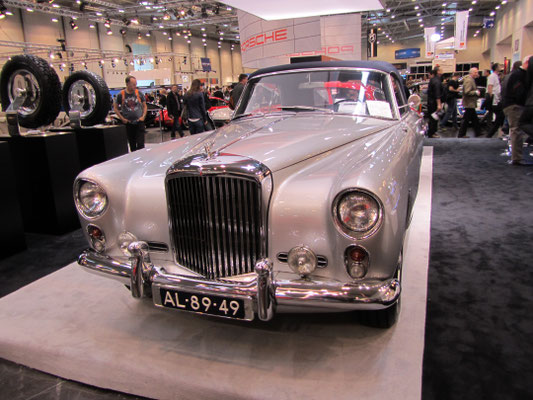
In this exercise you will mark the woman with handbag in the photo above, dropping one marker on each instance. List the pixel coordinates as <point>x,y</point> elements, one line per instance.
<point>195,104</point>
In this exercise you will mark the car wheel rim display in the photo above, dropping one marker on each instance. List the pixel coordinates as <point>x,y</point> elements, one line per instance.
<point>82,97</point>
<point>24,80</point>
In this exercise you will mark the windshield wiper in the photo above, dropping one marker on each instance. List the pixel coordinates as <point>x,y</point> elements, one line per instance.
<point>306,108</point>
<point>250,114</point>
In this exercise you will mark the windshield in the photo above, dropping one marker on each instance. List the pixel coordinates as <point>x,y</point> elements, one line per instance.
<point>353,92</point>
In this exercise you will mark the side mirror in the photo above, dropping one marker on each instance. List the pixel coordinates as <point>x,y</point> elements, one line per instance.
<point>414,101</point>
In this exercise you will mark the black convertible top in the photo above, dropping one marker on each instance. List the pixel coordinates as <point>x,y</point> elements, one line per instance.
<point>379,65</point>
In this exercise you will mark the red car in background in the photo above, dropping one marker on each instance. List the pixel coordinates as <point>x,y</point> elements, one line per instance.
<point>219,113</point>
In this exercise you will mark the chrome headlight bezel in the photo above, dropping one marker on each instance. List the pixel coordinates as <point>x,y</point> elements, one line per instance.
<point>80,206</point>
<point>344,229</point>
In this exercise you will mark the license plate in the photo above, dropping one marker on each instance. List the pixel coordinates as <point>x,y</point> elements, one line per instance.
<point>203,304</point>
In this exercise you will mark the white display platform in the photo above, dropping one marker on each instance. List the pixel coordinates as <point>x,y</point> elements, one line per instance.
<point>89,329</point>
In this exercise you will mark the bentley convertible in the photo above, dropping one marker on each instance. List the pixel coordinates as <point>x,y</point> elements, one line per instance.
<point>299,204</point>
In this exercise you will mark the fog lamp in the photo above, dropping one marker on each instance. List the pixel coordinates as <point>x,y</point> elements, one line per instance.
<point>124,240</point>
<point>357,261</point>
<point>97,237</point>
<point>302,260</point>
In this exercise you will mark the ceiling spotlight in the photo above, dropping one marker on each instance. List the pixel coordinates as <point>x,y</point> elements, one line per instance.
<point>443,12</point>
<point>219,46</point>
<point>123,31</point>
<point>444,4</point>
<point>121,11</point>
<point>388,9</point>
<point>55,20</point>
<point>147,34</point>
<point>504,2</point>
<point>161,26</point>
<point>188,41</point>
<point>497,7</point>
<point>470,9</point>
<point>492,14</point>
<point>393,16</point>
<point>203,40</point>
<point>474,1</point>
<point>228,8</point>
<point>204,34</point>
<point>99,13</point>
<point>417,7</point>
<point>203,28</point>
<point>205,44</point>
<point>178,34</point>
<point>419,19</point>
<point>166,17</point>
<point>170,38</point>
<point>164,33</point>
<point>107,23</point>
<point>51,55</point>
<point>182,12</point>
<point>109,31</point>
<point>135,20</point>
<point>73,25</point>
<point>139,35</point>
<point>418,14</point>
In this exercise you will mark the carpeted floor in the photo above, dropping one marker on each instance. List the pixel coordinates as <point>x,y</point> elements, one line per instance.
<point>479,325</point>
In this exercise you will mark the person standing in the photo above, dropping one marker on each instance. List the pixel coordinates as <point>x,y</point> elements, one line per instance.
<point>494,92</point>
<point>194,100</point>
<point>526,120</point>
<point>237,91</point>
<point>434,102</point>
<point>131,108</point>
<point>513,106</point>
<point>470,96</point>
<point>452,95</point>
<point>174,109</point>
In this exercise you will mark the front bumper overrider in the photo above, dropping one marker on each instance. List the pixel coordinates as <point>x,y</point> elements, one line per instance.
<point>263,293</point>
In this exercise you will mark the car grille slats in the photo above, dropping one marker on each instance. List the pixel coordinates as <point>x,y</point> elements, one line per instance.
<point>216,223</point>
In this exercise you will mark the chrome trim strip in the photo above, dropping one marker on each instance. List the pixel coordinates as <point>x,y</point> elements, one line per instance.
<point>264,292</point>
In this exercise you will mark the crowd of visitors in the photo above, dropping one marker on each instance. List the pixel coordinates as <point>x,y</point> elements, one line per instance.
<point>507,100</point>
<point>191,104</point>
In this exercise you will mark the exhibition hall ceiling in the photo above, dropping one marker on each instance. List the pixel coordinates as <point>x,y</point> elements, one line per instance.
<point>396,21</point>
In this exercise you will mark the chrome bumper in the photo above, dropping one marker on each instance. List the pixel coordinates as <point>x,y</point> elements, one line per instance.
<point>263,294</point>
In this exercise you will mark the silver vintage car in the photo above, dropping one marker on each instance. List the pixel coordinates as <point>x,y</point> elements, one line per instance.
<point>299,204</point>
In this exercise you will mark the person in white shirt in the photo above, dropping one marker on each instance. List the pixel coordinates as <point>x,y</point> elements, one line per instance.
<point>494,90</point>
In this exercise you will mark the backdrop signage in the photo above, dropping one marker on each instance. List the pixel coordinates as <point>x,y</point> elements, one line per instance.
<point>372,43</point>
<point>407,53</point>
<point>268,43</point>
<point>430,44</point>
<point>488,22</point>
<point>461,29</point>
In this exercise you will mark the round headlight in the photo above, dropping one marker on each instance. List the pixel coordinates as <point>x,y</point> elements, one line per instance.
<point>302,260</point>
<point>91,199</point>
<point>358,211</point>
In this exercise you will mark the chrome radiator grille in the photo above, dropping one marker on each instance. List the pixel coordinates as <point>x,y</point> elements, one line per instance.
<point>216,223</point>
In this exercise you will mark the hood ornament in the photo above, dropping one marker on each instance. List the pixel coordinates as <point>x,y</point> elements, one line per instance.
<point>208,149</point>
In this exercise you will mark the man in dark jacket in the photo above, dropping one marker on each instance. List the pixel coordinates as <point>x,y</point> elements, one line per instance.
<point>237,91</point>
<point>434,102</point>
<point>174,109</point>
<point>452,95</point>
<point>513,103</point>
<point>526,120</point>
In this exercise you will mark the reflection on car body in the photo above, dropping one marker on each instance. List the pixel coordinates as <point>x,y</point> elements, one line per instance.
<point>298,204</point>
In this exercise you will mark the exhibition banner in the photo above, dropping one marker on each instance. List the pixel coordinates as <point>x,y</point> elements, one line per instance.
<point>407,53</point>
<point>268,43</point>
<point>430,44</point>
<point>372,43</point>
<point>461,29</point>
<point>206,64</point>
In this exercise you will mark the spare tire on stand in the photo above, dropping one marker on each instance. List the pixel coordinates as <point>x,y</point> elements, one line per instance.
<point>38,78</point>
<point>87,93</point>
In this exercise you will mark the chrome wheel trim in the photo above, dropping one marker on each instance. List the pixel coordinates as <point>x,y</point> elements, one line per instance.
<point>20,80</point>
<point>82,97</point>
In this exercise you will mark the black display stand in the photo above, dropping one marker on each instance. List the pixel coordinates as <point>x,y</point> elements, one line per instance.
<point>98,144</point>
<point>12,238</point>
<point>45,166</point>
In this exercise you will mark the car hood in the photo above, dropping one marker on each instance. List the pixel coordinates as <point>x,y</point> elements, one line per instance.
<point>276,141</point>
